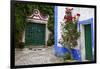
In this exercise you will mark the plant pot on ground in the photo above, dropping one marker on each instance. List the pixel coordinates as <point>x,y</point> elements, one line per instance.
<point>21,45</point>
<point>49,42</point>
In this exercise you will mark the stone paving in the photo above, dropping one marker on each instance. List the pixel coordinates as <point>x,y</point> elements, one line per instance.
<point>36,56</point>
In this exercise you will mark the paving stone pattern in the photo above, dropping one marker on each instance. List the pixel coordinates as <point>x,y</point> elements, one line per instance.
<point>36,56</point>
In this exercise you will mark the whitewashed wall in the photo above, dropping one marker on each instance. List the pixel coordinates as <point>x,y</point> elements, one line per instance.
<point>61,13</point>
<point>85,13</point>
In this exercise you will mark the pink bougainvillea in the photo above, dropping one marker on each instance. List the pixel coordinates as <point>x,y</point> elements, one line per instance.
<point>70,33</point>
<point>68,15</point>
<point>68,18</point>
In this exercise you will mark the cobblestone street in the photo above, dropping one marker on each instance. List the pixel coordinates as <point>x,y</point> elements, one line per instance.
<point>36,56</point>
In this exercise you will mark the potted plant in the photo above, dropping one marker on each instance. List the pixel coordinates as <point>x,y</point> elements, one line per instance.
<point>21,45</point>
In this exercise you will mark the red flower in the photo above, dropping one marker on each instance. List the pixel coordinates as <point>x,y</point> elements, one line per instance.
<point>69,18</point>
<point>78,14</point>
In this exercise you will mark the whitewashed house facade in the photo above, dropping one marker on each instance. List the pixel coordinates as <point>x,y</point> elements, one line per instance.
<point>85,26</point>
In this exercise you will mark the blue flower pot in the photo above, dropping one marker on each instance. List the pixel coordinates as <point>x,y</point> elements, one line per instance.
<point>75,54</point>
<point>60,51</point>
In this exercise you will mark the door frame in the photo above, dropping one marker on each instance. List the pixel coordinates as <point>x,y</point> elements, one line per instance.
<point>39,22</point>
<point>82,38</point>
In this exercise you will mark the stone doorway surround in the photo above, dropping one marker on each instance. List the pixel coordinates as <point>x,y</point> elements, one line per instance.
<point>37,17</point>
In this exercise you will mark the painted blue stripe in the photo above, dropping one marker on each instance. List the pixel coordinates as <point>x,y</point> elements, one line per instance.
<point>55,24</point>
<point>88,21</point>
<point>92,36</point>
<point>79,30</point>
<point>55,29</point>
<point>78,27</point>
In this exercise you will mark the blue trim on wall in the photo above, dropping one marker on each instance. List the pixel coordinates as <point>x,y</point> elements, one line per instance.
<point>92,36</point>
<point>59,51</point>
<point>55,24</point>
<point>88,21</point>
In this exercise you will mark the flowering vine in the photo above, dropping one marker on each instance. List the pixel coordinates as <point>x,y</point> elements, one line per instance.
<point>69,29</point>
<point>70,33</point>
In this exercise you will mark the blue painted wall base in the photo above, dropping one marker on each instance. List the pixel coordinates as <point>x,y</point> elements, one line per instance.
<point>76,54</point>
<point>60,52</point>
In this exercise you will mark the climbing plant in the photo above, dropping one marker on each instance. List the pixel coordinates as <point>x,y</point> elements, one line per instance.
<point>70,34</point>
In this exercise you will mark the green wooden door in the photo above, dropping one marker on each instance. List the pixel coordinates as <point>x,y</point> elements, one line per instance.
<point>88,42</point>
<point>35,34</point>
